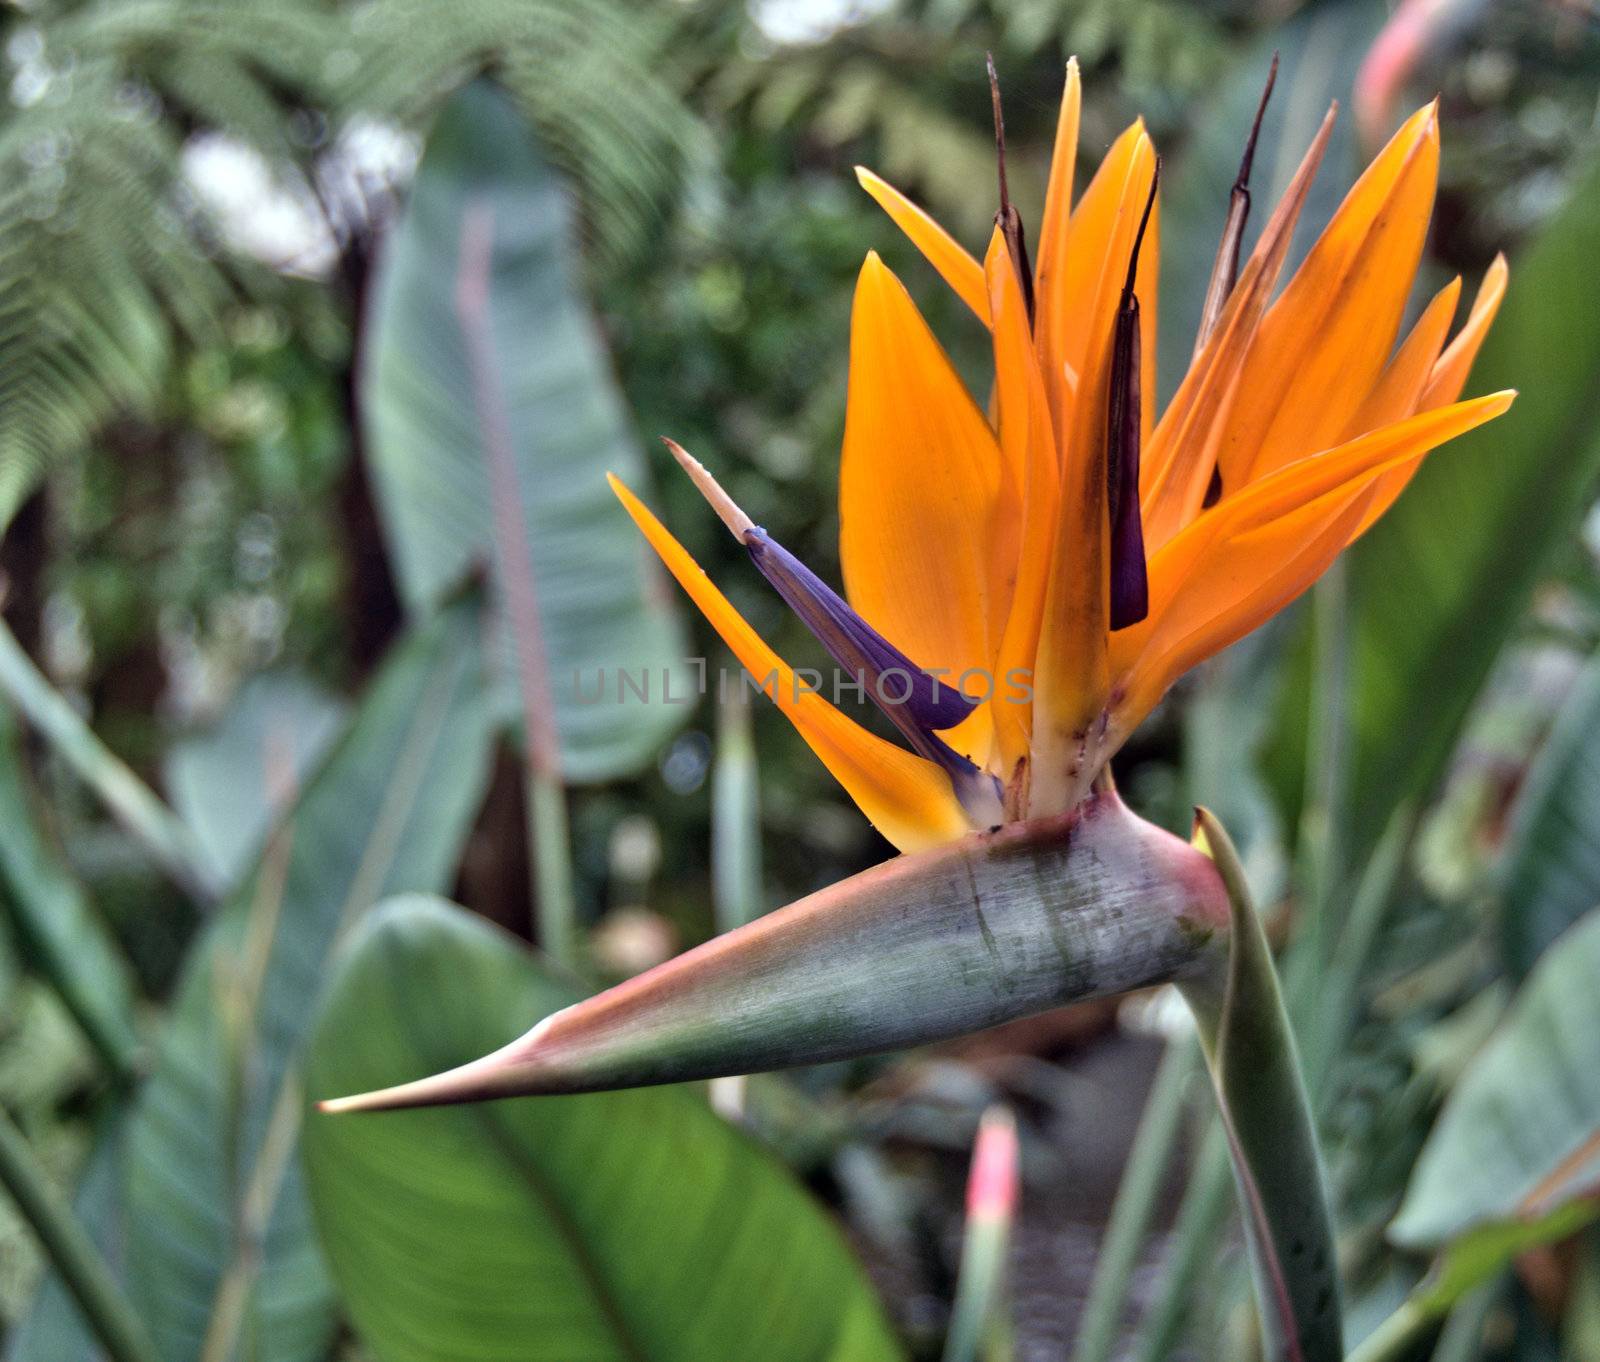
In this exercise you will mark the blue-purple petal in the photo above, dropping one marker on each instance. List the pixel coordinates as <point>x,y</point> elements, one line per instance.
<point>893,680</point>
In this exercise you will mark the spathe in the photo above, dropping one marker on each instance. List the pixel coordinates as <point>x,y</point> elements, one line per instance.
<point>980,931</point>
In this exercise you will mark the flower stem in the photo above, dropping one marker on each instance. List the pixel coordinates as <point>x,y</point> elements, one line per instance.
<point>1327,760</point>
<point>735,819</point>
<point>550,844</point>
<point>977,1318</point>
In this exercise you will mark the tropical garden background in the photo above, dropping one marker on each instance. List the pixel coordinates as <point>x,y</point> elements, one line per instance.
<point>319,326</point>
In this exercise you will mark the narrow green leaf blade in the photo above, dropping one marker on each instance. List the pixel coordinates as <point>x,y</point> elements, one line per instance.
<point>1480,1253</point>
<point>1520,1134</point>
<point>1266,1115</point>
<point>127,798</point>
<point>219,1243</point>
<point>70,1249</point>
<point>429,425</point>
<point>621,1225</point>
<point>53,1327</point>
<point>63,937</point>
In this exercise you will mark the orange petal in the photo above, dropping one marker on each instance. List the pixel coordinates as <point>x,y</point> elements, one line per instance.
<point>918,485</point>
<point>1398,392</point>
<point>1058,193</point>
<point>1009,418</point>
<point>1077,301</point>
<point>1182,453</point>
<point>1197,580</point>
<point>956,267</point>
<point>908,798</point>
<point>1323,343</point>
<point>1240,596</point>
<point>1443,380</point>
<point>1070,682</point>
<point>1027,441</point>
<point>1450,373</point>
<point>1332,472</point>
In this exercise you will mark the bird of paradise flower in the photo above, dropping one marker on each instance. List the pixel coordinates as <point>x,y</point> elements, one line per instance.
<point>1075,554</point>
<point>1036,577</point>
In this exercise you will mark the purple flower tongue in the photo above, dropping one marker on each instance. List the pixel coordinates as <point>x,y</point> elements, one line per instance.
<point>1130,587</point>
<point>904,692</point>
<point>916,702</point>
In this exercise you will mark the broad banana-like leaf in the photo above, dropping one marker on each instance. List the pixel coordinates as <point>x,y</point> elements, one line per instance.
<point>612,1227</point>
<point>221,1261</point>
<point>993,927</point>
<point>231,781</point>
<point>1514,1161</point>
<point>1519,1136</point>
<point>491,418</point>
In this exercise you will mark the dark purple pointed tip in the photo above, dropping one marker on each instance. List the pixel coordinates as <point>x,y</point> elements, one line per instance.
<point>1246,162</point>
<point>918,702</point>
<point>1225,269</point>
<point>1138,240</point>
<point>1007,219</point>
<point>1129,587</point>
<point>999,128</point>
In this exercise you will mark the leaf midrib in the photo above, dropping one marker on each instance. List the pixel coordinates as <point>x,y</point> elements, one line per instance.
<point>533,1179</point>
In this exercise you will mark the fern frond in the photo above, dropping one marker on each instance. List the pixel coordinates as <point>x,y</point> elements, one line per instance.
<point>586,72</point>
<point>107,263</point>
<point>97,273</point>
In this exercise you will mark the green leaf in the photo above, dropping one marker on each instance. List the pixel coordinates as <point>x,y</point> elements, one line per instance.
<point>1438,584</point>
<point>73,1254</point>
<point>218,1238</point>
<point>1520,1134</point>
<point>228,782</point>
<point>64,939</point>
<point>1480,1253</point>
<point>53,1326</point>
<point>1470,1262</point>
<point>1553,858</point>
<point>1277,1165</point>
<point>622,1225</point>
<point>439,394</point>
<point>128,799</point>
